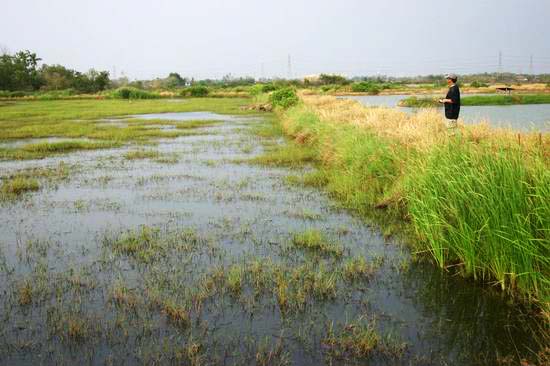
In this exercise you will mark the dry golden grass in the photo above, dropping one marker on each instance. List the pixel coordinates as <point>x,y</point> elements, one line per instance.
<point>422,130</point>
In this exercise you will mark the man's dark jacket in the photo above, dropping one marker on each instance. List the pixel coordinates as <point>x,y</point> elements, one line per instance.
<point>453,109</point>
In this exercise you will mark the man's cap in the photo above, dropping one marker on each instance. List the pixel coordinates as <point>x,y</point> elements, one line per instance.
<point>451,76</point>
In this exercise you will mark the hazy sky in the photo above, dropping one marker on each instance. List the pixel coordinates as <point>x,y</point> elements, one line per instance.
<point>210,38</point>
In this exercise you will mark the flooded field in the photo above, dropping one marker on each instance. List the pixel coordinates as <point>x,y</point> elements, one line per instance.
<point>186,252</point>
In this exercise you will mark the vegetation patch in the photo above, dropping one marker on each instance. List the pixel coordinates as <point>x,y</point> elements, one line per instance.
<point>141,154</point>
<point>283,98</point>
<point>132,93</point>
<point>357,269</point>
<point>316,241</point>
<point>15,186</point>
<point>197,124</point>
<point>357,340</point>
<point>291,155</point>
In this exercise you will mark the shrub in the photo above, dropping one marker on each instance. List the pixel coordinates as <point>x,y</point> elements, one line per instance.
<point>255,89</point>
<point>261,88</point>
<point>266,88</point>
<point>196,91</point>
<point>132,93</point>
<point>366,87</point>
<point>283,98</point>
<point>18,94</point>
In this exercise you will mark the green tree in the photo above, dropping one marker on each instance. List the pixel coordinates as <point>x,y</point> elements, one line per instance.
<point>19,71</point>
<point>57,77</point>
<point>326,79</point>
<point>174,80</point>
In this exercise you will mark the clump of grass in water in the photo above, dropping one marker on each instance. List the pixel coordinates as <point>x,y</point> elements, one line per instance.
<point>167,159</point>
<point>317,178</point>
<point>67,146</point>
<point>72,327</point>
<point>357,268</point>
<point>315,240</point>
<point>305,214</point>
<point>358,339</point>
<point>235,279</point>
<point>291,155</point>
<point>176,314</point>
<point>144,244</point>
<point>25,293</point>
<point>149,244</point>
<point>197,124</point>
<point>121,296</point>
<point>272,355</point>
<point>142,154</point>
<point>15,186</point>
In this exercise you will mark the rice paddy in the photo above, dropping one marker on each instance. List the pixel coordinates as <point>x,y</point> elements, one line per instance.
<point>217,254</point>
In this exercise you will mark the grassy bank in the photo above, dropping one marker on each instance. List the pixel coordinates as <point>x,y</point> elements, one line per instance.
<point>477,100</point>
<point>476,201</point>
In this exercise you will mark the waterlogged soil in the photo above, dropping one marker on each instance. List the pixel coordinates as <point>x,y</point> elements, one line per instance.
<point>194,261</point>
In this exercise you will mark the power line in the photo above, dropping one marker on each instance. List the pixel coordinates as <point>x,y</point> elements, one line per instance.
<point>289,67</point>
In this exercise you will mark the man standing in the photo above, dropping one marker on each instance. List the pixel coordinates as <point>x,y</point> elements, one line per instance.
<point>451,101</point>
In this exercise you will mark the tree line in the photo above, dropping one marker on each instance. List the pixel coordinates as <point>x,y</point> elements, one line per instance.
<point>21,72</point>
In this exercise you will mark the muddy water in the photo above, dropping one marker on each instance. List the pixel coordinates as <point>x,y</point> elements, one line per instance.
<point>243,214</point>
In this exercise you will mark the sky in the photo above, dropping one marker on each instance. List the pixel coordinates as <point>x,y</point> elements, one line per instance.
<point>213,38</point>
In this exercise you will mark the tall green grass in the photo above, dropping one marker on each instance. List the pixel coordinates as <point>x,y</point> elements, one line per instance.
<point>484,210</point>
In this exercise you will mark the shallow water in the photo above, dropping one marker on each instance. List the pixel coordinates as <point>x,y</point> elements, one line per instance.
<point>520,117</point>
<point>243,213</point>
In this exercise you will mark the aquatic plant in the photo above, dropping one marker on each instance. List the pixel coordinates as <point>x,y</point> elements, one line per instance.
<point>314,240</point>
<point>357,268</point>
<point>290,155</point>
<point>357,339</point>
<point>141,154</point>
<point>17,185</point>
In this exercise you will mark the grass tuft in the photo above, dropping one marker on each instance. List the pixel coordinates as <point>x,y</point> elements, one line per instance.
<point>15,186</point>
<point>315,241</point>
<point>356,339</point>
<point>142,154</point>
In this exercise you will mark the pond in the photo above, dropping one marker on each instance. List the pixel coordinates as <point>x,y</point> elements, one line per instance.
<point>202,260</point>
<point>520,117</point>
